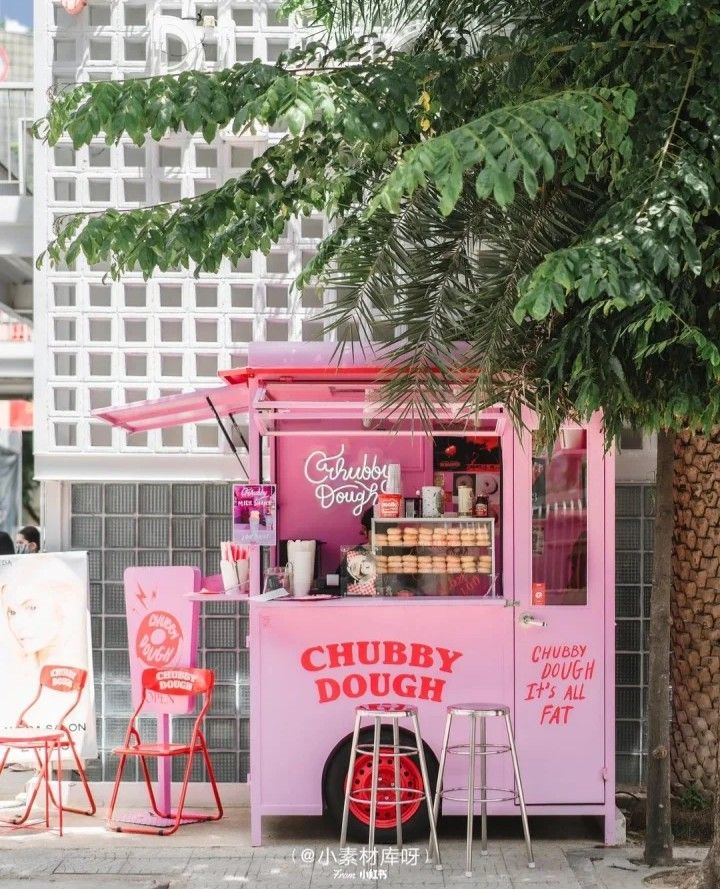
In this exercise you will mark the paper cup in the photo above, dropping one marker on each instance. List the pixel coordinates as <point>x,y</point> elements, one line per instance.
<point>432,502</point>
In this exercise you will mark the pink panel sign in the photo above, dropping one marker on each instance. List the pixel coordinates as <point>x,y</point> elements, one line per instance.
<point>163,628</point>
<point>326,484</point>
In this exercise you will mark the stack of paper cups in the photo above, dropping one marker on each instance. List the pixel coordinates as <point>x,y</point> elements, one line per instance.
<point>394,483</point>
<point>301,555</point>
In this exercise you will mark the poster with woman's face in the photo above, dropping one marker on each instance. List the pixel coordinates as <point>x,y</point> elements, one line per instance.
<point>44,620</point>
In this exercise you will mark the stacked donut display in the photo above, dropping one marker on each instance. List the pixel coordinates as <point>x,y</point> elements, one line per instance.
<point>439,549</point>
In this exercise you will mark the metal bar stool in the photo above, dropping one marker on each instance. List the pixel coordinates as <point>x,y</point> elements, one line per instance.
<point>392,713</point>
<point>481,748</point>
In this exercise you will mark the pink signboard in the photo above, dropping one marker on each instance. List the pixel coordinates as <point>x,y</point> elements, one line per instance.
<point>254,510</point>
<point>326,485</point>
<point>163,628</point>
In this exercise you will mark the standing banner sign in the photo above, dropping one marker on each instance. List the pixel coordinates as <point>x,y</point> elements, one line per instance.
<point>44,620</point>
<point>254,509</point>
<point>163,626</point>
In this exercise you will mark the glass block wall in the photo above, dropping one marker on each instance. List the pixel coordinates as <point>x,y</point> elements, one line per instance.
<point>635,507</point>
<point>123,524</point>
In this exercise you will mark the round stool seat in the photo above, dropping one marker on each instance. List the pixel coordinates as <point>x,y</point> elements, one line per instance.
<point>476,709</point>
<point>392,711</point>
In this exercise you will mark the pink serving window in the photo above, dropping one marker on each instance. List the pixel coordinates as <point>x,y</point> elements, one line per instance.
<point>559,521</point>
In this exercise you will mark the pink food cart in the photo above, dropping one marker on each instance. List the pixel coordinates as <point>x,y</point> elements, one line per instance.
<point>526,619</point>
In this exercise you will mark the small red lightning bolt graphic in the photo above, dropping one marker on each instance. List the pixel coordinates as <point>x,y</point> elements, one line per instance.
<point>142,596</point>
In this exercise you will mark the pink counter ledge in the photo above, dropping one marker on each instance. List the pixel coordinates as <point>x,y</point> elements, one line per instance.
<point>544,645</point>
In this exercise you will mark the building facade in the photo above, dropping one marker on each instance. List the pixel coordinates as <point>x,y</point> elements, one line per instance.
<point>161,497</point>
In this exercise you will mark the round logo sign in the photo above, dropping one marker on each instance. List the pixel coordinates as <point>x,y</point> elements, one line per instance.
<point>158,639</point>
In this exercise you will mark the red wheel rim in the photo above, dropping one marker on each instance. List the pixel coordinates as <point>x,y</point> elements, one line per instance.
<point>410,779</point>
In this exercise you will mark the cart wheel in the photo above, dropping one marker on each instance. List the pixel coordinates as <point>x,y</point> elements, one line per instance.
<point>415,823</point>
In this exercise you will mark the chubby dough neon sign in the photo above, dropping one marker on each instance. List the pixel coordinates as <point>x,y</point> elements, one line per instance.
<point>336,482</point>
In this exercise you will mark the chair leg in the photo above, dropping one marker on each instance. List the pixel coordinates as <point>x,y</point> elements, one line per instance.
<point>483,786</point>
<point>47,785</point>
<point>348,781</point>
<point>83,778</point>
<point>428,792</point>
<point>42,774</point>
<point>213,782</point>
<point>441,769</point>
<point>151,793</point>
<point>396,781</point>
<point>59,780</point>
<point>521,795</point>
<point>183,794</point>
<point>374,782</point>
<point>116,790</point>
<point>471,798</point>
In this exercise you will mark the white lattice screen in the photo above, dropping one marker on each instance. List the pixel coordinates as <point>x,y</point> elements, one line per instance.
<point>103,342</point>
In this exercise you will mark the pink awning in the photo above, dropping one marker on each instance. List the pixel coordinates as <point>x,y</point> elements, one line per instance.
<point>175,410</point>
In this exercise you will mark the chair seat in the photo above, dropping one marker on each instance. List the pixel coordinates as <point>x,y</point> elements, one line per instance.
<point>29,737</point>
<point>390,709</point>
<point>479,709</point>
<point>155,750</point>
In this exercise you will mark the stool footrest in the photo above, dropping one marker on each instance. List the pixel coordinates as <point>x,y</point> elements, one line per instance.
<point>505,794</point>
<point>402,750</point>
<point>480,749</point>
<point>413,792</point>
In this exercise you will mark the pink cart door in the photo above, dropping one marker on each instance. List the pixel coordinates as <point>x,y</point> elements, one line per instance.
<point>560,618</point>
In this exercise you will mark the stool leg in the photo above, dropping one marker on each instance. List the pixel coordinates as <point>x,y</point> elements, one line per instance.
<point>348,782</point>
<point>471,798</point>
<point>483,785</point>
<point>521,795</point>
<point>435,848</point>
<point>398,801</point>
<point>374,783</point>
<point>441,768</point>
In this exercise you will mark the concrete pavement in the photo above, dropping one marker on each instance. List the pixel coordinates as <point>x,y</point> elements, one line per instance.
<point>302,853</point>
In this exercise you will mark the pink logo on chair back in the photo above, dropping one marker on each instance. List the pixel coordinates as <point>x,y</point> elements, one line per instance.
<point>63,678</point>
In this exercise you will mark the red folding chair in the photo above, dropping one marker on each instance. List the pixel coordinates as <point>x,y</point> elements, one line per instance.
<point>174,681</point>
<point>66,680</point>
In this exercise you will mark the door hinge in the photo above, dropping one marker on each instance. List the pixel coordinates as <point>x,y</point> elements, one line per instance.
<point>604,774</point>
<point>511,603</point>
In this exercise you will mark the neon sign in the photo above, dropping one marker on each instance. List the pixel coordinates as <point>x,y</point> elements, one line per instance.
<point>336,482</point>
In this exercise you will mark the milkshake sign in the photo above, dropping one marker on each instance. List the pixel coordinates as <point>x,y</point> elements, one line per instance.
<point>337,483</point>
<point>419,671</point>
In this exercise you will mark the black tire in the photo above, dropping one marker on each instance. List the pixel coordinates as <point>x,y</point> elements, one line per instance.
<point>416,827</point>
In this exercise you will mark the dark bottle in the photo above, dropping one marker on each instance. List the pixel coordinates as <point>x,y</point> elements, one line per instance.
<point>482,507</point>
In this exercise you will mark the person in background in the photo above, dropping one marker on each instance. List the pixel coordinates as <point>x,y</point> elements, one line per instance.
<point>7,547</point>
<point>28,540</point>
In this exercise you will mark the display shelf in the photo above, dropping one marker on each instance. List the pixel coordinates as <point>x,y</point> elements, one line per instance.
<point>442,559</point>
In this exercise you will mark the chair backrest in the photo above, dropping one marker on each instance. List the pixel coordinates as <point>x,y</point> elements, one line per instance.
<point>58,678</point>
<point>63,678</point>
<point>179,681</point>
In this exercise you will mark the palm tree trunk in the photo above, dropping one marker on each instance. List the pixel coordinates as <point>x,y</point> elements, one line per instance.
<point>695,659</point>
<point>709,876</point>
<point>658,834</point>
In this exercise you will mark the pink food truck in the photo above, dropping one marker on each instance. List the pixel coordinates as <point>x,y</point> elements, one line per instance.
<point>460,563</point>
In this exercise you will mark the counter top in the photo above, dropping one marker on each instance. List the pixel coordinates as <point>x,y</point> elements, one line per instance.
<point>379,601</point>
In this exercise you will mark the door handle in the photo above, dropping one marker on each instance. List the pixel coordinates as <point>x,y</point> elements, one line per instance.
<point>529,620</point>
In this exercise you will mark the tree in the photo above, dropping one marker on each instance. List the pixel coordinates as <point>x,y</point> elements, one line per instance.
<point>540,180</point>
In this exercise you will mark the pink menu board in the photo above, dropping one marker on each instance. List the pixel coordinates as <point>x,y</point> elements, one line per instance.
<point>254,513</point>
